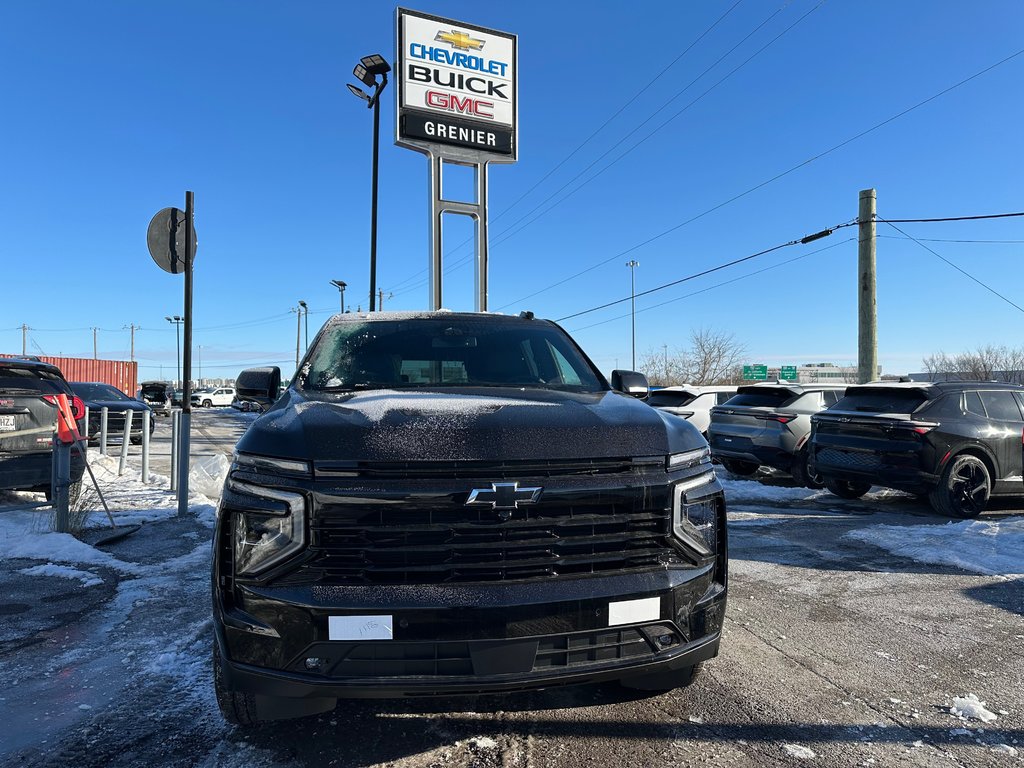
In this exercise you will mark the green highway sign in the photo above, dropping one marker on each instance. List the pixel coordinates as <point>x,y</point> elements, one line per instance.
<point>755,372</point>
<point>788,373</point>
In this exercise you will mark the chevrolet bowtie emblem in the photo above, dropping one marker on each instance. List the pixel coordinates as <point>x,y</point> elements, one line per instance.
<point>460,41</point>
<point>504,497</point>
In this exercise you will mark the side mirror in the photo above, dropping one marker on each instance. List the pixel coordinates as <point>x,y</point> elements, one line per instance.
<point>259,385</point>
<point>631,383</point>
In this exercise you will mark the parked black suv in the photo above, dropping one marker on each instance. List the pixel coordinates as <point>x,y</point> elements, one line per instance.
<point>959,442</point>
<point>28,419</point>
<point>97,395</point>
<point>459,503</point>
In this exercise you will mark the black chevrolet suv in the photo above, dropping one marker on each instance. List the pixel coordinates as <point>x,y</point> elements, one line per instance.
<point>958,442</point>
<point>448,503</point>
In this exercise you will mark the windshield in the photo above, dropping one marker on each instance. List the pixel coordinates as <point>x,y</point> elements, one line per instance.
<point>88,391</point>
<point>446,352</point>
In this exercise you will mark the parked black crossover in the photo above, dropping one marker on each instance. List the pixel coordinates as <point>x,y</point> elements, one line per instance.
<point>959,442</point>
<point>28,419</point>
<point>459,503</point>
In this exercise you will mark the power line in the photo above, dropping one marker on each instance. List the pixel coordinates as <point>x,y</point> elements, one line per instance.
<point>965,273</point>
<point>945,240</point>
<point>954,218</point>
<point>778,176</point>
<point>718,285</point>
<point>702,273</point>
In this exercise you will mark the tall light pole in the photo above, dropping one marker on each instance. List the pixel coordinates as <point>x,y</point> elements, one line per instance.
<point>367,70</point>
<point>177,320</point>
<point>341,285</point>
<point>305,311</point>
<point>633,264</point>
<point>298,332</point>
<point>95,347</point>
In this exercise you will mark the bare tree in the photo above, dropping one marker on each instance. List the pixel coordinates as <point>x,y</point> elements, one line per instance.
<point>985,363</point>
<point>713,357</point>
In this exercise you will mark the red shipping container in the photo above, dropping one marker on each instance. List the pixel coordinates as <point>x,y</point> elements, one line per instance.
<point>119,373</point>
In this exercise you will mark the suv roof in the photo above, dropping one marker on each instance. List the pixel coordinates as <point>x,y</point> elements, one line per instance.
<point>796,389</point>
<point>21,362</point>
<point>935,388</point>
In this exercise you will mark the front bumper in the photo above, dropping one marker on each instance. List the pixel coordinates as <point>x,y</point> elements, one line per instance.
<point>470,638</point>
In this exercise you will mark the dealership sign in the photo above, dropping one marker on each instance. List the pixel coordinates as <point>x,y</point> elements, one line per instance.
<point>456,87</point>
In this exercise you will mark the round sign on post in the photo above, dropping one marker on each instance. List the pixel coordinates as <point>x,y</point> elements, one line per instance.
<point>166,240</point>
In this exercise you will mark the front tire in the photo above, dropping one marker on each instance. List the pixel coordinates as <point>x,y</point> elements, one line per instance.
<point>847,489</point>
<point>207,403</point>
<point>237,708</point>
<point>663,681</point>
<point>964,489</point>
<point>741,468</point>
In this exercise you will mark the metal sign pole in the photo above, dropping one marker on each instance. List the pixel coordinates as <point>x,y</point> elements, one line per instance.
<point>480,177</point>
<point>436,217</point>
<point>186,406</point>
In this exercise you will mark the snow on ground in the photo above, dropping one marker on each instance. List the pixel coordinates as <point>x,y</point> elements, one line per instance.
<point>799,751</point>
<point>25,533</point>
<point>87,578</point>
<point>989,547</point>
<point>970,707</point>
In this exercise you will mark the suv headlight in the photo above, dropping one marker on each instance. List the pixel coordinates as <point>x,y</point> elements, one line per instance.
<point>696,524</point>
<point>686,459</point>
<point>264,538</point>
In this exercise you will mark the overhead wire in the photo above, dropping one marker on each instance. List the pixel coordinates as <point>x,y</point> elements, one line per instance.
<point>777,176</point>
<point>959,269</point>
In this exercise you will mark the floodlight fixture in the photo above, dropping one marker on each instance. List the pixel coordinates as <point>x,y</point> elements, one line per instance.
<point>360,93</point>
<point>375,64</point>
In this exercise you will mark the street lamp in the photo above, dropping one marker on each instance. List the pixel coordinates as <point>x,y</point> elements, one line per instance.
<point>340,285</point>
<point>177,320</point>
<point>298,332</point>
<point>367,70</point>
<point>305,311</point>
<point>633,264</point>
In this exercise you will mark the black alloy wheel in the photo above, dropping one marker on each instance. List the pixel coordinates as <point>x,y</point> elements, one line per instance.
<point>801,471</point>
<point>964,489</point>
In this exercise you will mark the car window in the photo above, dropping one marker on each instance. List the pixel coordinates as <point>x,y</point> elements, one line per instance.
<point>455,351</point>
<point>30,379</point>
<point>660,399</point>
<point>723,397</point>
<point>879,400</point>
<point>973,404</point>
<point>771,398</point>
<point>831,397</point>
<point>1001,406</point>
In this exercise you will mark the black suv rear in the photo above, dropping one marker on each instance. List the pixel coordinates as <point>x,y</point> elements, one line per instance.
<point>28,418</point>
<point>959,442</point>
<point>459,503</point>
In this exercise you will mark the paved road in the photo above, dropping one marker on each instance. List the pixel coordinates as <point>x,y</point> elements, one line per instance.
<point>832,648</point>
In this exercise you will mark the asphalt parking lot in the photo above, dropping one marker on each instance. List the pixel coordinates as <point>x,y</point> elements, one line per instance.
<point>835,652</point>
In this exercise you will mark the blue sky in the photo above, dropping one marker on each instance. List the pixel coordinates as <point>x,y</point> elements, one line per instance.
<point>113,109</point>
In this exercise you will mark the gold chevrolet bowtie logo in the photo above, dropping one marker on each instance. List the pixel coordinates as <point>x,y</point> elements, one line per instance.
<point>459,40</point>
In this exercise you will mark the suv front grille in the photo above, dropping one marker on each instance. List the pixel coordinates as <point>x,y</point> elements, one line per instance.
<point>494,470</point>
<point>396,543</point>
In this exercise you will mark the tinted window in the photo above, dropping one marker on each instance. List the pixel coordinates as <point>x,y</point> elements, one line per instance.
<point>723,397</point>
<point>660,399</point>
<point>1001,405</point>
<point>98,392</point>
<point>30,380</point>
<point>882,400</point>
<point>771,398</point>
<point>973,403</point>
<point>456,351</point>
<point>831,397</point>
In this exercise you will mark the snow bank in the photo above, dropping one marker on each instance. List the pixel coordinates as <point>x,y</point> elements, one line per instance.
<point>799,751</point>
<point>752,490</point>
<point>970,707</point>
<point>993,548</point>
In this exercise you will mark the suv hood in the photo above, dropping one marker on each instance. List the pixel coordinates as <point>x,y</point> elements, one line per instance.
<point>464,425</point>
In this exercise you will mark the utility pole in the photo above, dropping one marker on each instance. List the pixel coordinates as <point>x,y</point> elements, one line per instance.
<point>633,264</point>
<point>664,348</point>
<point>380,304</point>
<point>95,355</point>
<point>305,311</point>
<point>867,334</point>
<point>24,339</point>
<point>133,328</point>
